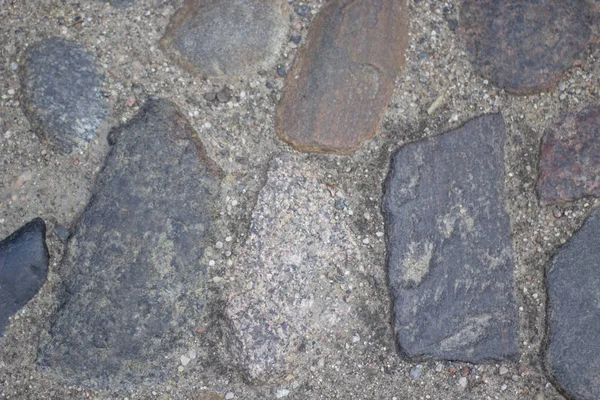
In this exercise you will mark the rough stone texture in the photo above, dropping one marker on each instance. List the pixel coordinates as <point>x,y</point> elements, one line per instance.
<point>569,166</point>
<point>573,344</point>
<point>294,243</point>
<point>23,267</point>
<point>525,46</point>
<point>231,38</point>
<point>135,278</point>
<point>118,3</point>
<point>343,78</point>
<point>61,93</point>
<point>450,255</point>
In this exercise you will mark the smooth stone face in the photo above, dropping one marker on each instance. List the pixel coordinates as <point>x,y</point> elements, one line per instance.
<point>294,240</point>
<point>134,284</point>
<point>572,355</point>
<point>569,166</point>
<point>342,79</point>
<point>61,93</point>
<point>227,38</point>
<point>23,268</point>
<point>525,46</point>
<point>450,255</point>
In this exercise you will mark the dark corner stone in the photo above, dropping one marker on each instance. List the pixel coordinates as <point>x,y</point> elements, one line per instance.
<point>526,46</point>
<point>569,166</point>
<point>134,276</point>
<point>23,267</point>
<point>450,255</point>
<point>572,356</point>
<point>227,38</point>
<point>343,77</point>
<point>61,93</point>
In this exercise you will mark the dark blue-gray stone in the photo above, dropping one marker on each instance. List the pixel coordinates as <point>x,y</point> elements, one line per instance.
<point>118,3</point>
<point>450,255</point>
<point>61,93</point>
<point>134,271</point>
<point>572,356</point>
<point>23,267</point>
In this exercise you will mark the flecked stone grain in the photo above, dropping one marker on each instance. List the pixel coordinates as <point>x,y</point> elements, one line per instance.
<point>61,93</point>
<point>23,268</point>
<point>569,166</point>
<point>572,356</point>
<point>343,78</point>
<point>227,38</point>
<point>526,47</point>
<point>134,276</point>
<point>294,244</point>
<point>450,256</point>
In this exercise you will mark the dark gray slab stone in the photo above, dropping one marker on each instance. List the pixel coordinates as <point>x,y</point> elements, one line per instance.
<point>23,267</point>
<point>572,356</point>
<point>118,3</point>
<point>450,256</point>
<point>61,93</point>
<point>227,38</point>
<point>134,285</point>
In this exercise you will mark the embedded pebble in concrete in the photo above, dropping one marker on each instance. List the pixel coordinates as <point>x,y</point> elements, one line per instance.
<point>526,46</point>
<point>294,247</point>
<point>569,163</point>
<point>23,268</point>
<point>450,255</point>
<point>134,276</point>
<point>572,355</point>
<point>61,93</point>
<point>342,79</point>
<point>227,38</point>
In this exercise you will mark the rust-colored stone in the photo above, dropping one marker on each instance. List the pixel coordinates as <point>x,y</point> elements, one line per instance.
<point>526,46</point>
<point>570,158</point>
<point>343,78</point>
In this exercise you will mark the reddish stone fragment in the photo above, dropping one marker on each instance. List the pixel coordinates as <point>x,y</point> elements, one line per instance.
<point>526,46</point>
<point>570,158</point>
<point>343,78</point>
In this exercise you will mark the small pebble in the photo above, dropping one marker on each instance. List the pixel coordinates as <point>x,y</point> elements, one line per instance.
<point>462,382</point>
<point>415,372</point>
<point>503,370</point>
<point>229,395</point>
<point>210,96</point>
<point>296,38</point>
<point>281,393</point>
<point>185,360</point>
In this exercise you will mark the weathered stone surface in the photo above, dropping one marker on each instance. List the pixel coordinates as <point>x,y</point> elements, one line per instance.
<point>525,46</point>
<point>572,355</point>
<point>569,166</point>
<point>450,256</point>
<point>294,242</point>
<point>23,267</point>
<point>231,38</point>
<point>343,78</point>
<point>135,279</point>
<point>61,93</point>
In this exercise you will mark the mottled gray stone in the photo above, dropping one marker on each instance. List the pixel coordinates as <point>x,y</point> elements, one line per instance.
<point>134,284</point>
<point>23,267</point>
<point>118,3</point>
<point>295,241</point>
<point>450,256</point>
<point>572,356</point>
<point>61,93</point>
<point>232,38</point>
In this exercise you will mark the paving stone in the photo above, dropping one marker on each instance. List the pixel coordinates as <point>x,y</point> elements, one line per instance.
<point>134,278</point>
<point>450,255</point>
<point>342,79</point>
<point>227,38</point>
<point>569,166</point>
<point>61,93</point>
<point>525,46</point>
<point>23,268</point>
<point>294,242</point>
<point>572,356</point>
